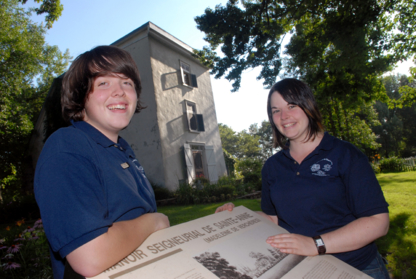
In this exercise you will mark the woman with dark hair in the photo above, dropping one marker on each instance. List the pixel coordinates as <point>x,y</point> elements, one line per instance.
<point>319,188</point>
<point>96,203</point>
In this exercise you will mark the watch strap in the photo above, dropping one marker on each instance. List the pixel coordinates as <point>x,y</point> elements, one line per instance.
<point>320,245</point>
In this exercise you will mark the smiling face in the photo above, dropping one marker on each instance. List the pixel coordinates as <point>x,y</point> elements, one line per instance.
<point>111,104</point>
<point>290,119</point>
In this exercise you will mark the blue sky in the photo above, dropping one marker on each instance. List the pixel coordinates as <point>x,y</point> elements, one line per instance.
<point>85,24</point>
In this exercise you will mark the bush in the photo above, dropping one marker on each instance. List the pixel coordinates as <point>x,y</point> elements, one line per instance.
<point>375,167</point>
<point>23,207</point>
<point>201,191</point>
<point>162,193</point>
<point>250,169</point>
<point>24,252</point>
<point>392,164</point>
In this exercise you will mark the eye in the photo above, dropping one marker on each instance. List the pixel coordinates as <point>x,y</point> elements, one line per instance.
<point>275,111</point>
<point>102,84</point>
<point>130,83</point>
<point>292,106</point>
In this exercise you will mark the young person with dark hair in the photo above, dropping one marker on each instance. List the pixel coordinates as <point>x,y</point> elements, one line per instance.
<point>319,188</point>
<point>96,203</point>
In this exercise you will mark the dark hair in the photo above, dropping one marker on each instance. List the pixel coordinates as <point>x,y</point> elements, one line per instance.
<point>79,79</point>
<point>297,93</point>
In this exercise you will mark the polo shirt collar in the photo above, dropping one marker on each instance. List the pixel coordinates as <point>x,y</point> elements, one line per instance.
<point>326,143</point>
<point>96,135</point>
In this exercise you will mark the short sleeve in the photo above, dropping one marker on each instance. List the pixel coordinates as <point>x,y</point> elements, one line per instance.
<point>72,201</point>
<point>266,201</point>
<point>364,194</point>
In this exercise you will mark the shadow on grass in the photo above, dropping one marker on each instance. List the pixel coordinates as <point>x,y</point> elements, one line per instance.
<point>397,180</point>
<point>399,251</point>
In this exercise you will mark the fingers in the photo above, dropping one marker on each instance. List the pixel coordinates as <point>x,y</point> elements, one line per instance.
<point>293,244</point>
<point>228,206</point>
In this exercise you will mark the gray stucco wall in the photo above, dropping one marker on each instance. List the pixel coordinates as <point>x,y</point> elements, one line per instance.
<point>143,132</point>
<point>170,97</point>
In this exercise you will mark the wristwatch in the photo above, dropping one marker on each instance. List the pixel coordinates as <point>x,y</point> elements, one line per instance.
<point>319,244</point>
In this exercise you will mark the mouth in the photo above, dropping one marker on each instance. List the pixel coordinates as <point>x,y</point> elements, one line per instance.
<point>288,125</point>
<point>117,107</point>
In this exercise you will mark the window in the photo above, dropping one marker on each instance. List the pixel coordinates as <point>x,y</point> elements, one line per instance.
<point>200,162</point>
<point>188,79</point>
<point>197,157</point>
<point>195,121</point>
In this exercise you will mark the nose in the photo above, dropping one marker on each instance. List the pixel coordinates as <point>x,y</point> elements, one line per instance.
<point>284,114</point>
<point>118,90</point>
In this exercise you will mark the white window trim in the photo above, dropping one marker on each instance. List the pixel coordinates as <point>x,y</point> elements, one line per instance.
<point>186,68</point>
<point>189,103</point>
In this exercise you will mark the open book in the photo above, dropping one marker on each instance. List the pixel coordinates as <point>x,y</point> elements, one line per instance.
<point>224,245</point>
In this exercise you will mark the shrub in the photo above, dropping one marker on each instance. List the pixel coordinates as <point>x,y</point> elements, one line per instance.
<point>392,164</point>
<point>23,207</point>
<point>250,169</point>
<point>162,193</point>
<point>184,194</point>
<point>24,252</point>
<point>375,167</point>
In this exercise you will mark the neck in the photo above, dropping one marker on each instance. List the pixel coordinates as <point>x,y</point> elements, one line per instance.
<point>299,150</point>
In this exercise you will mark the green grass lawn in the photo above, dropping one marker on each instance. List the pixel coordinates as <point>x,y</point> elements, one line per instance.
<point>398,246</point>
<point>179,214</point>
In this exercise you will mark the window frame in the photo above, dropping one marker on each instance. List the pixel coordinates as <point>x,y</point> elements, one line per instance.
<point>198,119</point>
<point>187,78</point>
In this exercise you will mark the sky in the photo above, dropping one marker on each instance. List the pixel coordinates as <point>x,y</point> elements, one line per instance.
<point>85,24</point>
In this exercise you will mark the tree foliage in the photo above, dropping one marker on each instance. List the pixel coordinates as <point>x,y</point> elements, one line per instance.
<point>265,134</point>
<point>239,145</point>
<point>397,132</point>
<point>359,36</point>
<point>27,68</point>
<point>339,48</point>
<point>52,8</point>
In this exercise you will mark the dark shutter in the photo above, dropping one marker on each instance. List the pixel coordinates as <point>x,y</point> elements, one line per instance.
<point>200,120</point>
<point>194,83</point>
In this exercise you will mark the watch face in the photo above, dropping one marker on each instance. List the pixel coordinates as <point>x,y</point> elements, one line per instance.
<point>319,242</point>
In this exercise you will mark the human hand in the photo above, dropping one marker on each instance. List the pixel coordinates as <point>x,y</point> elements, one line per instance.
<point>290,243</point>
<point>228,206</point>
<point>161,221</point>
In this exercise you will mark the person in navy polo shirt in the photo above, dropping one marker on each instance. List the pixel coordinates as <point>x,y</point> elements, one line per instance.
<point>319,188</point>
<point>96,203</point>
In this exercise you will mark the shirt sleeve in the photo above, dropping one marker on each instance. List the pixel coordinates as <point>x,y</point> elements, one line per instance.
<point>72,201</point>
<point>266,201</point>
<point>364,194</point>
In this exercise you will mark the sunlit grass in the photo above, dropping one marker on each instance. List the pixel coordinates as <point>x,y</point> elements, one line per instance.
<point>179,214</point>
<point>399,245</point>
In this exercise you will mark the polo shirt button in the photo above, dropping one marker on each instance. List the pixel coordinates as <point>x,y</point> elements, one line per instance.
<point>115,145</point>
<point>121,148</point>
<point>294,162</point>
<point>297,173</point>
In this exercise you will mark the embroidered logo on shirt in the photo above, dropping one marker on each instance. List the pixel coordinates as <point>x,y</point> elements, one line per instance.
<point>139,167</point>
<point>321,167</point>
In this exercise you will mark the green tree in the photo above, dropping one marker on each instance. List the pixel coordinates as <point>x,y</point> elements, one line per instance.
<point>408,92</point>
<point>27,68</point>
<point>239,145</point>
<point>390,132</point>
<point>340,48</point>
<point>52,8</point>
<point>397,132</point>
<point>265,134</point>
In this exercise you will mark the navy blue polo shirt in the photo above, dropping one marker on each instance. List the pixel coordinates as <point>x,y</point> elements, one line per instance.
<point>84,183</point>
<point>333,186</point>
